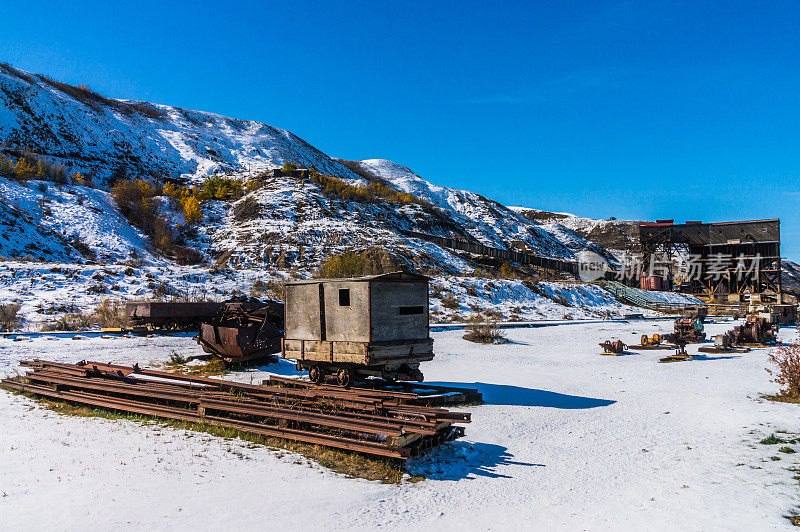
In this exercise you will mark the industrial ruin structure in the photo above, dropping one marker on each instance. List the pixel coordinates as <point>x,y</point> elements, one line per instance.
<point>719,260</point>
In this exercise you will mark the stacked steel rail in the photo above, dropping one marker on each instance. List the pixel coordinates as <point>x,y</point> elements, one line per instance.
<point>414,393</point>
<point>367,421</point>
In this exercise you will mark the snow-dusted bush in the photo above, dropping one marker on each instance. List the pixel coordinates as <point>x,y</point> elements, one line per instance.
<point>485,333</point>
<point>109,313</point>
<point>787,374</point>
<point>450,301</point>
<point>9,316</point>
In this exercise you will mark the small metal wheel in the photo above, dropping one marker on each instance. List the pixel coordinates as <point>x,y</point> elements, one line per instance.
<point>344,377</point>
<point>315,374</point>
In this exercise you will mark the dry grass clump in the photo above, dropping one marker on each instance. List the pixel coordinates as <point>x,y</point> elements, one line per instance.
<point>109,313</point>
<point>9,316</point>
<point>273,289</point>
<point>481,332</point>
<point>73,321</point>
<point>449,301</point>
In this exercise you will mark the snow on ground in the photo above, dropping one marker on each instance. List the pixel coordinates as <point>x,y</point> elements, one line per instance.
<point>567,439</point>
<point>46,291</point>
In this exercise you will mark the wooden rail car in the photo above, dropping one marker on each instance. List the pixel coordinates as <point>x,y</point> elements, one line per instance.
<point>358,327</point>
<point>170,315</point>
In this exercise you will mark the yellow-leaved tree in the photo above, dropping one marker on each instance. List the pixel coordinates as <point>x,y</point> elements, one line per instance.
<point>191,209</point>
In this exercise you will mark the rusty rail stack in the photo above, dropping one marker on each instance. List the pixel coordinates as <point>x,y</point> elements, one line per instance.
<point>367,421</point>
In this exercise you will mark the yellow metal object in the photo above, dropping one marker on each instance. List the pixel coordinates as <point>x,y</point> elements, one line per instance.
<point>652,340</point>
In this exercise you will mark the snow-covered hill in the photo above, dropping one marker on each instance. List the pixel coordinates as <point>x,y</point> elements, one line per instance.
<point>613,235</point>
<point>107,137</point>
<point>488,221</point>
<point>90,132</point>
<point>286,225</point>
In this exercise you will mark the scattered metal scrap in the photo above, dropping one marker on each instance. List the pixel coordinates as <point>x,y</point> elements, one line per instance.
<point>680,355</point>
<point>375,422</point>
<point>757,331</point>
<point>688,330</point>
<point>651,342</point>
<point>611,347</point>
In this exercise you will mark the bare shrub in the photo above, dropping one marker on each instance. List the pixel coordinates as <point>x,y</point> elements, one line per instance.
<point>787,373</point>
<point>74,321</point>
<point>9,316</point>
<point>449,301</point>
<point>109,313</point>
<point>83,248</point>
<point>482,332</point>
<point>271,289</point>
<point>186,255</point>
<point>247,209</point>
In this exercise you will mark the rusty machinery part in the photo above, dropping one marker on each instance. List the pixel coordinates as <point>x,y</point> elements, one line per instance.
<point>243,331</point>
<point>756,330</point>
<point>724,341</point>
<point>617,347</point>
<point>687,331</point>
<point>651,341</point>
<point>679,355</point>
<point>376,422</point>
<point>699,312</point>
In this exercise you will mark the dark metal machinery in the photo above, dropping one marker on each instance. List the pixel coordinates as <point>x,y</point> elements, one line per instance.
<point>729,257</point>
<point>243,331</point>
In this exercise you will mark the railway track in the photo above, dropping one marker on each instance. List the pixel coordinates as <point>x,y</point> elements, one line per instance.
<point>377,422</point>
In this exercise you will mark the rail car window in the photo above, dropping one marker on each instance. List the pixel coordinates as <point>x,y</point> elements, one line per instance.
<point>344,297</point>
<point>404,311</point>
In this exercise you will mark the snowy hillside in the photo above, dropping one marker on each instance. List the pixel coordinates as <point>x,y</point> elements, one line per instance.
<point>103,135</point>
<point>613,235</point>
<point>488,221</point>
<point>66,223</point>
<point>282,226</point>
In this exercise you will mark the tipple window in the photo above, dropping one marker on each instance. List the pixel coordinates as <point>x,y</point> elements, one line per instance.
<point>411,310</point>
<point>344,297</point>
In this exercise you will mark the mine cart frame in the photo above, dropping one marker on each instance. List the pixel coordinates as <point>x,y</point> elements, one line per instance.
<point>383,332</point>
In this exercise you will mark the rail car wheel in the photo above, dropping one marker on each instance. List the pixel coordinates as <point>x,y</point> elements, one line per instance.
<point>315,374</point>
<point>344,377</point>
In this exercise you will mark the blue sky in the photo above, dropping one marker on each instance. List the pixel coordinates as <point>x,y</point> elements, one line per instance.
<point>626,109</point>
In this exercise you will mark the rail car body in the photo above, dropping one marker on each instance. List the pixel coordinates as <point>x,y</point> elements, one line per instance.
<point>170,315</point>
<point>366,326</point>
